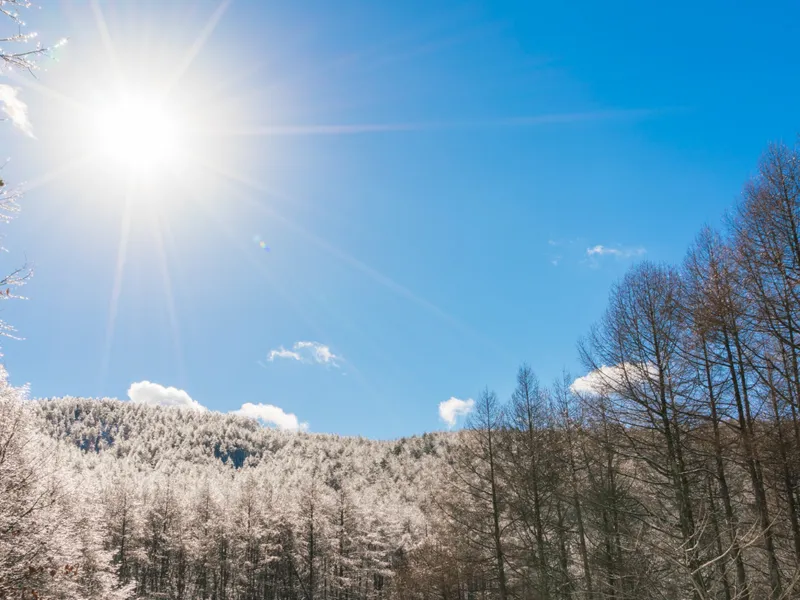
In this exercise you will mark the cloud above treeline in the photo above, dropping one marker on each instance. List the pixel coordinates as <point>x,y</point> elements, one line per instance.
<point>307,352</point>
<point>607,379</point>
<point>271,415</point>
<point>154,394</point>
<point>450,410</point>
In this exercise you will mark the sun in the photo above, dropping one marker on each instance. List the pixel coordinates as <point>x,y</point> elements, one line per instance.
<point>137,133</point>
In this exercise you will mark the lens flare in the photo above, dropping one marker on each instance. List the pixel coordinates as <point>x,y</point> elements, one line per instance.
<point>260,243</point>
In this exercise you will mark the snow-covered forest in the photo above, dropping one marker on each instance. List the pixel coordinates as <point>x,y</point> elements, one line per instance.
<point>117,499</point>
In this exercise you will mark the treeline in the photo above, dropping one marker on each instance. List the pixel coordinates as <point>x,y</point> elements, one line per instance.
<point>672,470</point>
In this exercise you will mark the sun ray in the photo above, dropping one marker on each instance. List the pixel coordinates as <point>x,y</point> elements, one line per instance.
<point>54,201</point>
<point>368,344</point>
<point>332,129</point>
<point>372,273</point>
<point>166,280</point>
<point>56,173</point>
<point>375,52</point>
<point>37,86</point>
<point>224,85</point>
<point>119,271</point>
<point>218,217</point>
<point>374,348</point>
<point>362,128</point>
<point>108,44</point>
<point>424,48</point>
<point>326,246</point>
<point>198,44</point>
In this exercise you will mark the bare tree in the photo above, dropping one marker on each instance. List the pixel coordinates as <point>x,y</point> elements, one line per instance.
<point>706,284</point>
<point>569,422</point>
<point>640,335</point>
<point>476,501</point>
<point>528,471</point>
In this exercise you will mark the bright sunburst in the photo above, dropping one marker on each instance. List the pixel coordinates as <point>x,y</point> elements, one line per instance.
<point>137,133</point>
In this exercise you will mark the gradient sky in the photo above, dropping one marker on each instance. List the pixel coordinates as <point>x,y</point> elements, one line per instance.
<point>430,179</point>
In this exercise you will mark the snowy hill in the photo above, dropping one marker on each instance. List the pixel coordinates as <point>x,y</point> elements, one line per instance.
<point>200,504</point>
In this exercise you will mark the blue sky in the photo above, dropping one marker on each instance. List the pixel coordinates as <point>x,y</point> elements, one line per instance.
<point>430,180</point>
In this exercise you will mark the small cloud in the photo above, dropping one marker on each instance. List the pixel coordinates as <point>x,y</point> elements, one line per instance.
<point>268,414</point>
<point>307,352</point>
<point>618,251</point>
<point>283,353</point>
<point>15,108</point>
<point>451,409</point>
<point>321,354</point>
<point>145,392</point>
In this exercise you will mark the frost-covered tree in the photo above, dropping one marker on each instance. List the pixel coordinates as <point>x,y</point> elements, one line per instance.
<point>30,527</point>
<point>20,51</point>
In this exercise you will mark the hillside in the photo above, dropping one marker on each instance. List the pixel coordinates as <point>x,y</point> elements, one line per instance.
<point>204,504</point>
<point>148,434</point>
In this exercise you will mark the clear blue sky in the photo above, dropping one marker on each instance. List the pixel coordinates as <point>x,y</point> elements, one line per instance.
<point>433,238</point>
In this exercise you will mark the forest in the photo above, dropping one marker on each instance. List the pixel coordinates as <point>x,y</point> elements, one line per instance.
<point>670,471</point>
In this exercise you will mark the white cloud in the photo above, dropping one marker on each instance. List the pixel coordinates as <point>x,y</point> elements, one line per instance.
<point>307,352</point>
<point>596,382</point>
<point>321,354</point>
<point>15,108</point>
<point>145,392</point>
<point>605,379</point>
<point>619,251</point>
<point>451,409</point>
<point>283,353</point>
<point>272,415</point>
